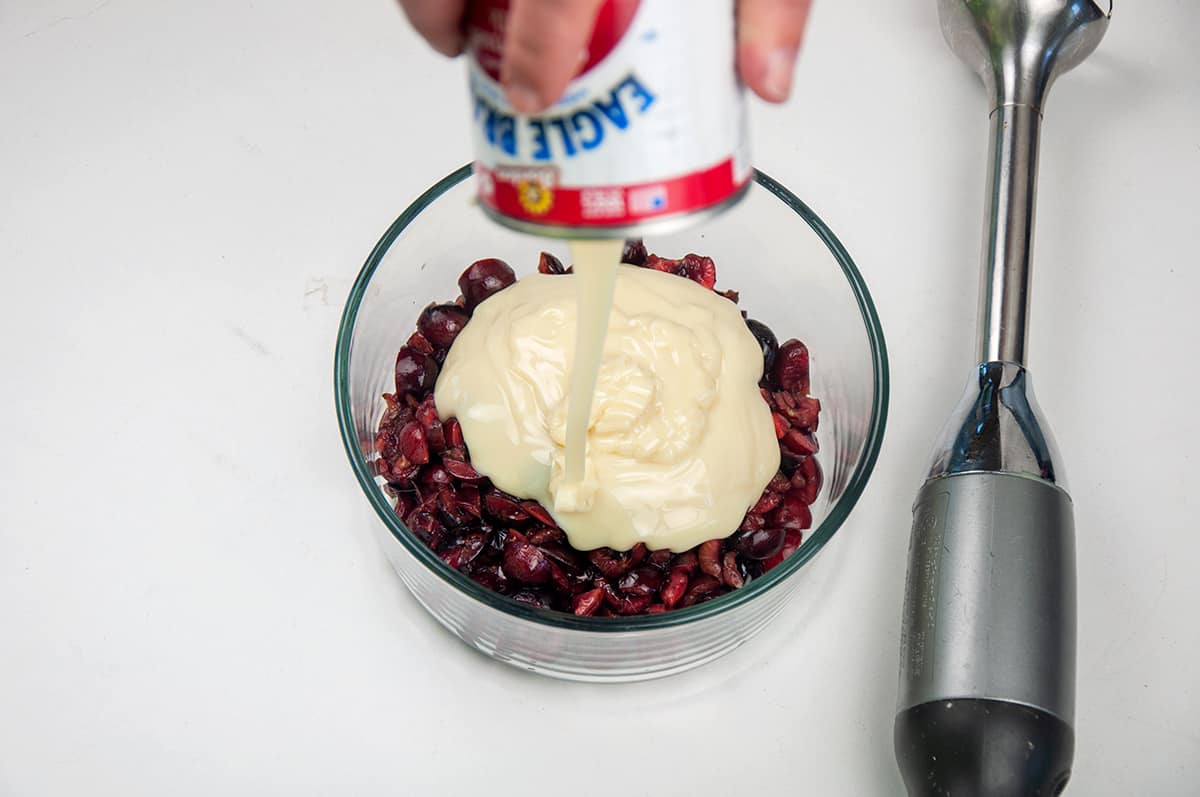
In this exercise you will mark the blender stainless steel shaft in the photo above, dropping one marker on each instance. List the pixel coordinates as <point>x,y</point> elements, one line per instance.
<point>987,671</point>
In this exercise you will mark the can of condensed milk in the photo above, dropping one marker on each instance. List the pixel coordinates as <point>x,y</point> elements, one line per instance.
<point>650,135</point>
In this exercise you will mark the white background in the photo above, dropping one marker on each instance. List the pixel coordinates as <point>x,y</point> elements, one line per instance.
<point>191,600</point>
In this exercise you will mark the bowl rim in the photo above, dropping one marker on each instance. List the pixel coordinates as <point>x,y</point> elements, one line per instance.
<point>728,602</point>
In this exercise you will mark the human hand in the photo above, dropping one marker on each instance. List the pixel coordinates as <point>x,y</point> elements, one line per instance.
<point>544,39</point>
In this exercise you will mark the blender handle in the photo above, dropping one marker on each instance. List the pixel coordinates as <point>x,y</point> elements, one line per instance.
<point>988,649</point>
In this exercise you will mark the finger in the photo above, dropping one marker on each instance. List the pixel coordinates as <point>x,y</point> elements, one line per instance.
<point>439,21</point>
<point>543,48</point>
<point>769,35</point>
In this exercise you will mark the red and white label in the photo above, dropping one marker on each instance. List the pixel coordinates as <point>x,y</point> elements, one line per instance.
<point>653,125</point>
<point>613,205</point>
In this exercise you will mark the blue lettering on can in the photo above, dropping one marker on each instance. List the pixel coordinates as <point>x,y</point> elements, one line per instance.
<point>578,121</point>
<point>568,145</point>
<point>541,144</point>
<point>570,135</point>
<point>613,110</point>
<point>506,133</point>
<point>499,129</point>
<point>638,91</point>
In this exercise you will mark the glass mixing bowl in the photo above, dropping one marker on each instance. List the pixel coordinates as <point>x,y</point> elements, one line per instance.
<point>792,274</point>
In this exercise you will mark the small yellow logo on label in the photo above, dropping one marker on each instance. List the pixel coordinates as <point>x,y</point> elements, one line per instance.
<point>535,197</point>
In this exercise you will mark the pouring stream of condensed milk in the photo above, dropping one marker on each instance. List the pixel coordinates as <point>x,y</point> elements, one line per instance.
<point>623,399</point>
<point>595,264</point>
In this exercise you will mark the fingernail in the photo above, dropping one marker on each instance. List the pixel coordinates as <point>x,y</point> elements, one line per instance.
<point>777,82</point>
<point>522,98</point>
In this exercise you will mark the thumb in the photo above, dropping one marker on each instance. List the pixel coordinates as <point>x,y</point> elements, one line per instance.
<point>544,47</point>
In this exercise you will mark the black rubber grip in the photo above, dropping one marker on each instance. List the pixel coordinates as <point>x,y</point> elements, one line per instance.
<point>983,748</point>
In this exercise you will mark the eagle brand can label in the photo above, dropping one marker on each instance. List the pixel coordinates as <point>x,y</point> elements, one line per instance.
<point>649,133</point>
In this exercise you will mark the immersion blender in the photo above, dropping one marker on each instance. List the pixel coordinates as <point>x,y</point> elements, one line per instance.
<point>987,665</point>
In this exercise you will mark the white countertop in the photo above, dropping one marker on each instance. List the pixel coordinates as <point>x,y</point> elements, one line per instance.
<point>191,598</point>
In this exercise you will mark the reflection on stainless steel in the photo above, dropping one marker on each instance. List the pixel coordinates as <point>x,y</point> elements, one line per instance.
<point>1019,48</point>
<point>998,427</point>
